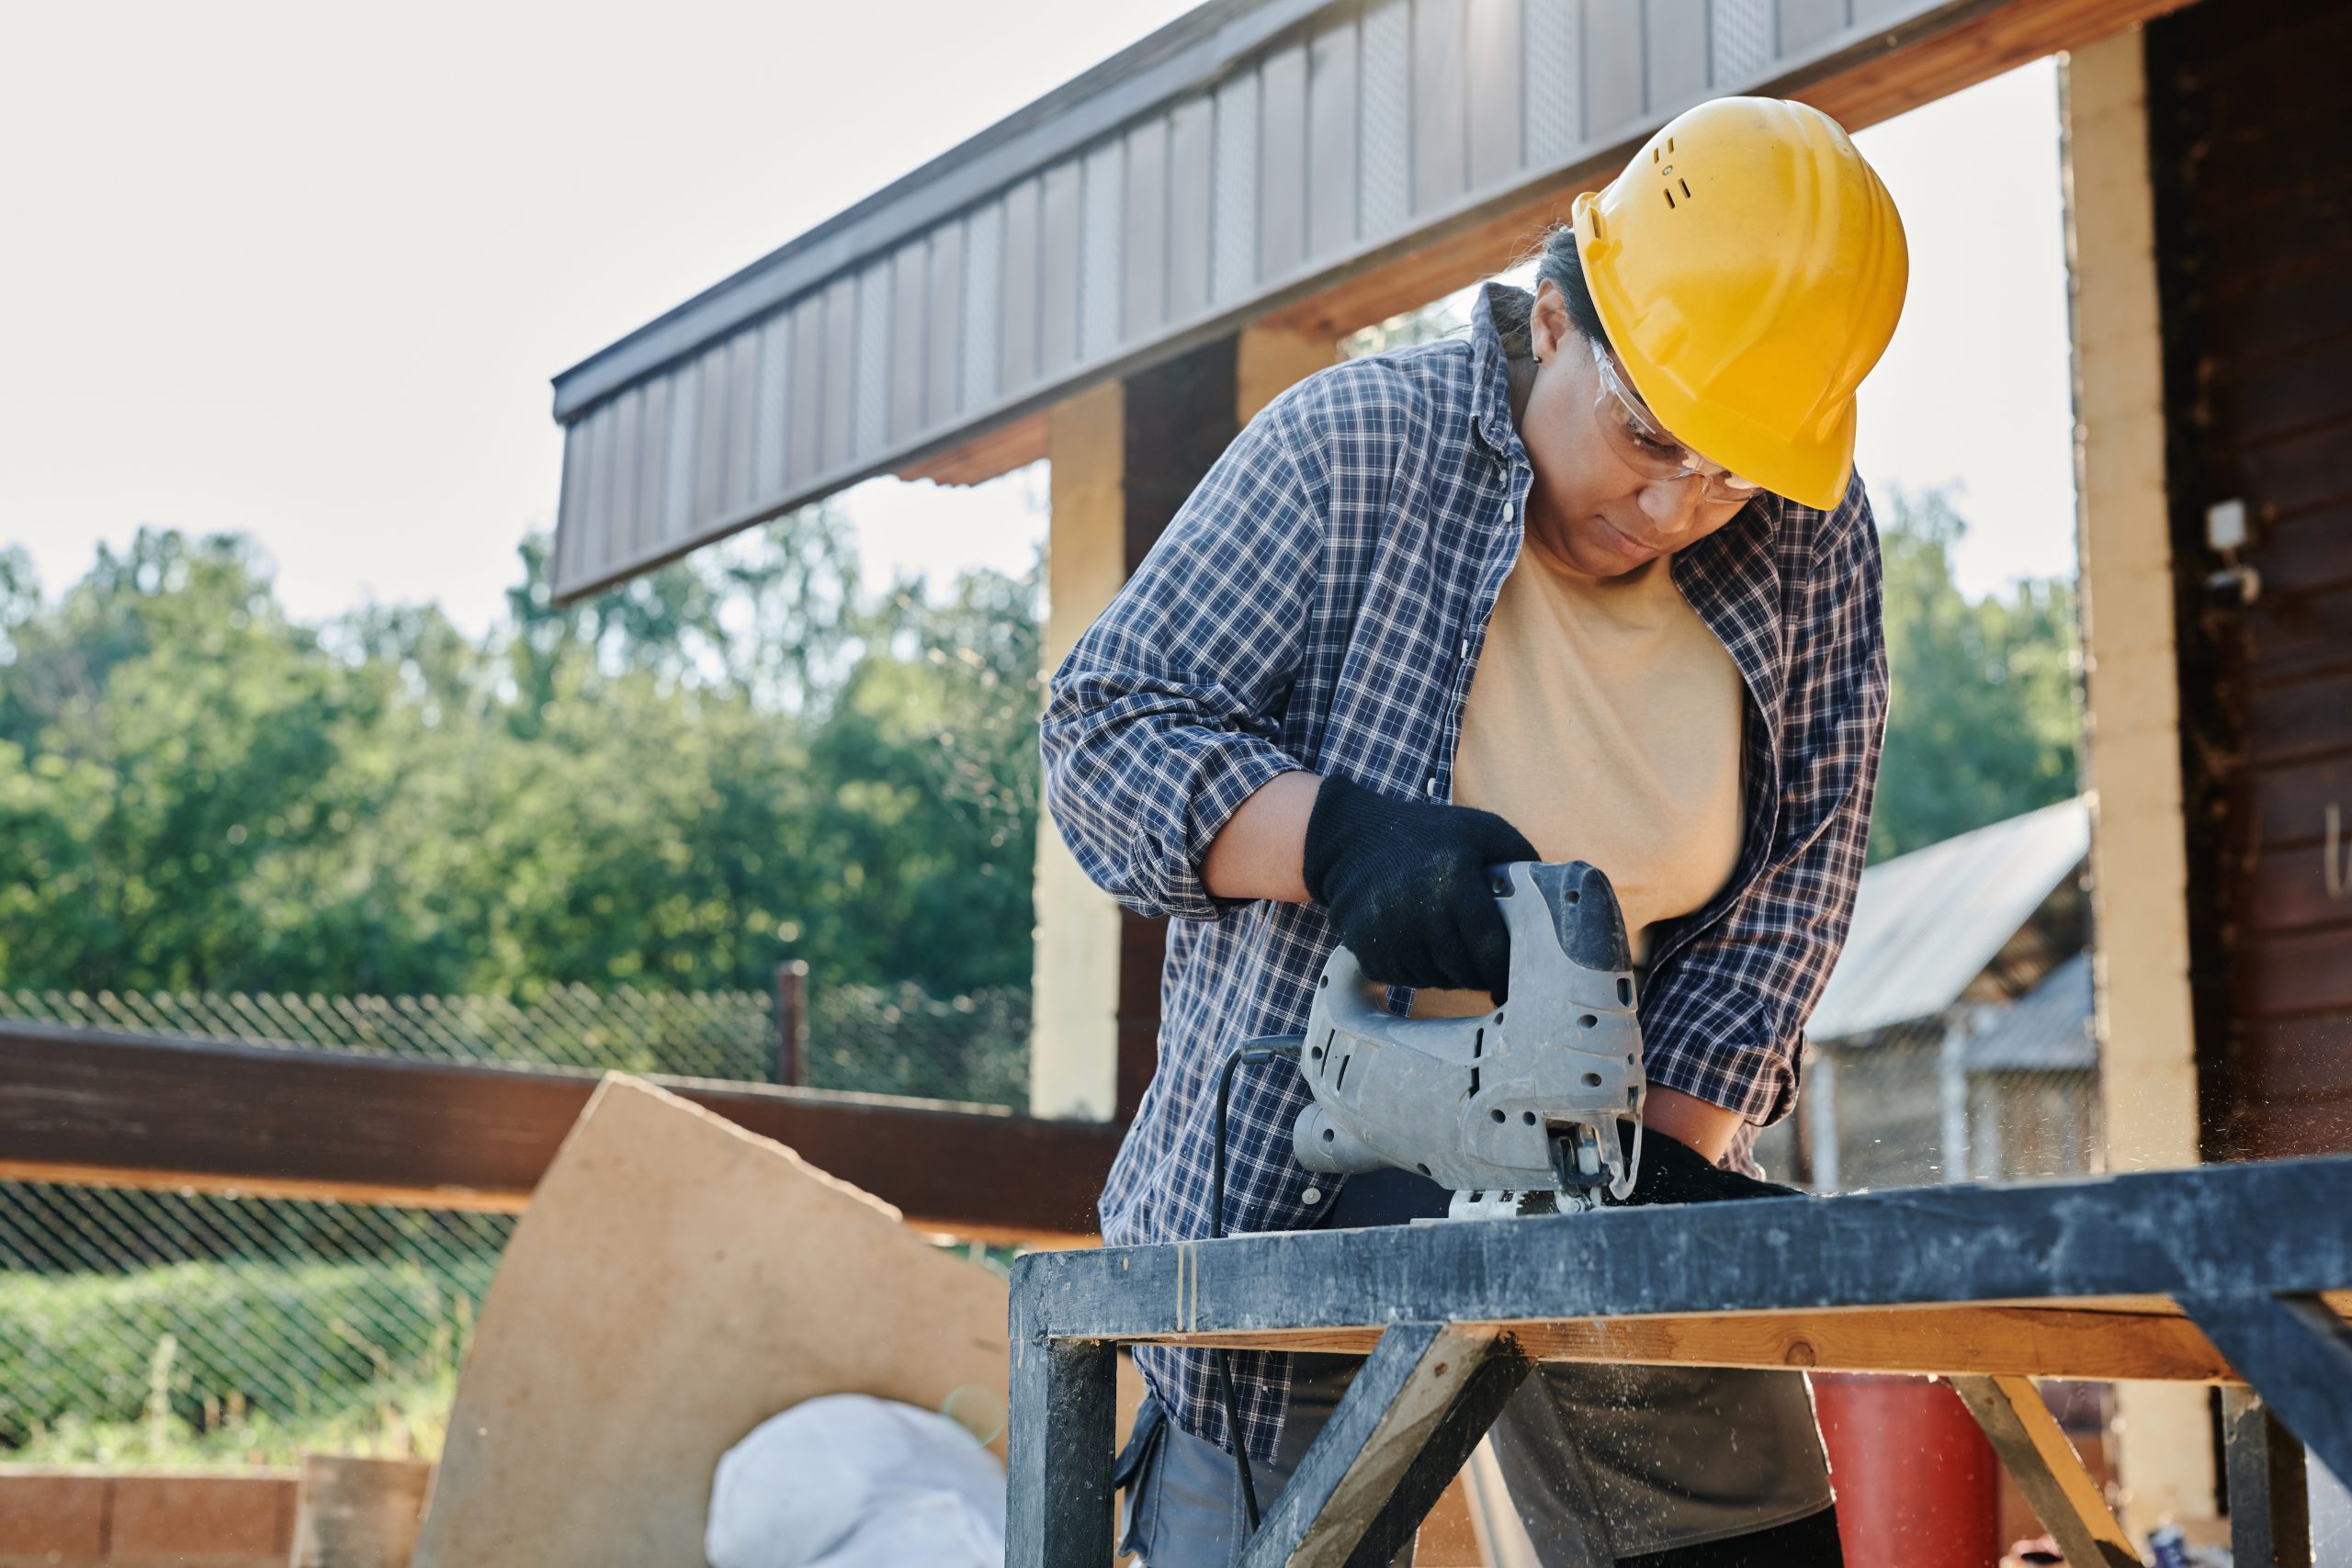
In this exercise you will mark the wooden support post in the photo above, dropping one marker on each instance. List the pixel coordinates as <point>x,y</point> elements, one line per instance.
<point>2270,1513</point>
<point>2131,759</point>
<point>792,1021</point>
<point>2046,1468</point>
<point>2298,1354</point>
<point>1057,1476</point>
<point>1424,1398</point>
<point>1073,1049</point>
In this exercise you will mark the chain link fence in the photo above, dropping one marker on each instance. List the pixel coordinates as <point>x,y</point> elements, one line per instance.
<point>144,1327</point>
<point>1993,1092</point>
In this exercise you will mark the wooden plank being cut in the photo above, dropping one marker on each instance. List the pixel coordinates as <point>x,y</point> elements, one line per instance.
<point>2041,1341</point>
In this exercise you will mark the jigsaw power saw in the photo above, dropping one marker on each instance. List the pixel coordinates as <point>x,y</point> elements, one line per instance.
<point>1531,1108</point>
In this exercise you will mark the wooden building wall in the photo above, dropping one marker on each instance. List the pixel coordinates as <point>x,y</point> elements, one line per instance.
<point>2251,161</point>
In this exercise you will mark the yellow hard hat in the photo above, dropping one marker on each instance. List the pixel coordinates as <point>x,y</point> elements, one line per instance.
<point>1749,269</point>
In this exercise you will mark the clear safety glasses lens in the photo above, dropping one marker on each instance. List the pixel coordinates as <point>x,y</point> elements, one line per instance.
<point>1643,444</point>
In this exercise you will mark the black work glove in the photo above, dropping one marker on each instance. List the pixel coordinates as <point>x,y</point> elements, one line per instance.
<point>1673,1171</point>
<point>1405,883</point>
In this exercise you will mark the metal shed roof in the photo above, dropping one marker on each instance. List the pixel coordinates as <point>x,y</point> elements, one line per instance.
<point>1247,155</point>
<point>2048,1029</point>
<point>1926,924</point>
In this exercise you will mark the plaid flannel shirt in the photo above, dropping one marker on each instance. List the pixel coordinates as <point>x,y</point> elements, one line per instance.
<point>1319,602</point>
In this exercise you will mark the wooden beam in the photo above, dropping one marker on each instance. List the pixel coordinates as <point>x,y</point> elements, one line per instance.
<point>100,1107</point>
<point>997,450</point>
<point>2047,1470</point>
<point>1861,87</point>
<point>2045,1342</point>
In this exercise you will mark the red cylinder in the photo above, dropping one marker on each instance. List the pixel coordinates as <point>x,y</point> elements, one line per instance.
<point>1917,1484</point>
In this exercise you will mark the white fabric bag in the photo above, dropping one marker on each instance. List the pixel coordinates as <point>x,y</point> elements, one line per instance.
<point>849,1481</point>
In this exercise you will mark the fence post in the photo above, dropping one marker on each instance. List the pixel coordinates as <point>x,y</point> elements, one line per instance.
<point>792,1021</point>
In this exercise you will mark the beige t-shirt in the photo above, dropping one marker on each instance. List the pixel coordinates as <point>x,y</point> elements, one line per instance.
<point>1605,723</point>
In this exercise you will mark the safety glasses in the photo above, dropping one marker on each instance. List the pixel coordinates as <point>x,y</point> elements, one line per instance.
<point>1645,445</point>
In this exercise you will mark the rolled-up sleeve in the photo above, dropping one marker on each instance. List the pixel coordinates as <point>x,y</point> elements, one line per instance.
<point>1166,715</point>
<point>1723,1018</point>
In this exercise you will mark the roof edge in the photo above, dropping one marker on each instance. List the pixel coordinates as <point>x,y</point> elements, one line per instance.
<point>1187,54</point>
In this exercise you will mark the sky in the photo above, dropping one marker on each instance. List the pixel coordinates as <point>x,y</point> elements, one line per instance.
<point>305,271</point>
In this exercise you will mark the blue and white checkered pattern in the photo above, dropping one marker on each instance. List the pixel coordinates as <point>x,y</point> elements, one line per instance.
<point>1319,602</point>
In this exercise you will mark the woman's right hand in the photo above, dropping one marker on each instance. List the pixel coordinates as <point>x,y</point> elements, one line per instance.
<point>1406,885</point>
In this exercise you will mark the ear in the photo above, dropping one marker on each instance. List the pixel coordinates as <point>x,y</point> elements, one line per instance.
<point>1547,320</point>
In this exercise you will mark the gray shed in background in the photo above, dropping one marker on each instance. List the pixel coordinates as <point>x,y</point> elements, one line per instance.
<point>1953,1042</point>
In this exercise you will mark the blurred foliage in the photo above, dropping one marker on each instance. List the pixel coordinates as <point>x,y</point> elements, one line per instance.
<point>668,785</point>
<point>1984,722</point>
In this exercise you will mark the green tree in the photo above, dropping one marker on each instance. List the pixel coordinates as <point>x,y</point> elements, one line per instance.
<point>1982,722</point>
<point>668,785</point>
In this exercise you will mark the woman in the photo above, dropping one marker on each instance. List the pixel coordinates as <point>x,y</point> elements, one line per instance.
<point>1595,583</point>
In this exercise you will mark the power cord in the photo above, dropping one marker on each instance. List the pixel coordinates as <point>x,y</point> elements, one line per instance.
<point>1264,1048</point>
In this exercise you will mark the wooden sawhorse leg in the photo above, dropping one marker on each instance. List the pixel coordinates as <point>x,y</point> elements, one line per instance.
<point>1426,1395</point>
<point>2046,1468</point>
<point>2270,1503</point>
<point>1057,1474</point>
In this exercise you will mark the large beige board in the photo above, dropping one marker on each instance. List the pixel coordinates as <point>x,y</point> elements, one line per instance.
<point>675,1282</point>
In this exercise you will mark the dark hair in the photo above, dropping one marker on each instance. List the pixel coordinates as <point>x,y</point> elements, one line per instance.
<point>1557,264</point>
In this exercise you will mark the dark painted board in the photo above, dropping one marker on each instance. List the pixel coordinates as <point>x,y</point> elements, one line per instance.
<point>2294,1129</point>
<point>2270,306</point>
<point>2290,635</point>
<point>1058,267</point>
<point>1023,259</point>
<point>2271,1226</point>
<point>1440,104</point>
<point>2297,720</point>
<point>2303,550</point>
<point>2270,1524</point>
<point>1367,1449</point>
<point>1282,162</point>
<point>2298,1354</point>
<point>2298,1060</point>
<point>2297,973</point>
<point>2290,801</point>
<point>1057,1457</point>
<point>1332,94</point>
<point>2289,890</point>
<point>2289,396</point>
<point>1494,50</point>
<point>1143,294</point>
<point>179,1110</point>
<point>1614,70</point>
<point>1191,146</point>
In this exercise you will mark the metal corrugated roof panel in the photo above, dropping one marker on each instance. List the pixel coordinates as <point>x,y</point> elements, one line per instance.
<point>1246,154</point>
<point>1926,923</point>
<point>2048,1029</point>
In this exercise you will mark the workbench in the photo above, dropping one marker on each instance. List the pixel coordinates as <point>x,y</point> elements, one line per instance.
<point>2237,1276</point>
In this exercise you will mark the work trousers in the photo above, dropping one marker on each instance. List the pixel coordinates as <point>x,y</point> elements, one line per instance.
<point>1662,1467</point>
<point>1185,1510</point>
